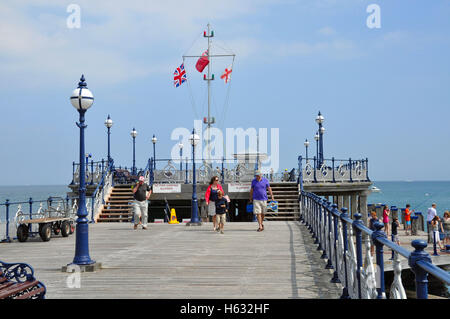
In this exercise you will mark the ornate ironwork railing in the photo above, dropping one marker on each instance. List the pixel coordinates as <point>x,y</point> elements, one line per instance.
<point>332,170</point>
<point>341,240</point>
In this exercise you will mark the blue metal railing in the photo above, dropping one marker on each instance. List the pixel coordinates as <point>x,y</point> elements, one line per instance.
<point>333,170</point>
<point>333,231</point>
<point>100,184</point>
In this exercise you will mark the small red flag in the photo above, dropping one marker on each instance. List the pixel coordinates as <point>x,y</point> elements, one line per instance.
<point>202,62</point>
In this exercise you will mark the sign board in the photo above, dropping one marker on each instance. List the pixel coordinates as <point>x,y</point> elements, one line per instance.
<point>166,188</point>
<point>239,187</point>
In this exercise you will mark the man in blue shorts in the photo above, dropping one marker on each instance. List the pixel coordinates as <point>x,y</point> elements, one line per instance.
<point>258,194</point>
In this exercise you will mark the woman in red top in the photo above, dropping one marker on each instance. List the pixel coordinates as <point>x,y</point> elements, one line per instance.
<point>386,213</point>
<point>211,197</point>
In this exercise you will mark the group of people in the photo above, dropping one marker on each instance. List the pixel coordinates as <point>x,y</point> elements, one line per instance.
<point>434,225</point>
<point>216,201</point>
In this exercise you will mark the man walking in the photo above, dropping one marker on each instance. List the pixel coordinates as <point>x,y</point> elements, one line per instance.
<point>140,204</point>
<point>431,213</point>
<point>258,194</point>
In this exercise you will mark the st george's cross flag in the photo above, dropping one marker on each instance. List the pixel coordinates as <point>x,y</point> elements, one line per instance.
<point>202,62</point>
<point>179,76</point>
<point>226,76</point>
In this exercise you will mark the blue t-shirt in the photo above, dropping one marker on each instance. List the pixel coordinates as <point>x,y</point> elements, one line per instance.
<point>260,189</point>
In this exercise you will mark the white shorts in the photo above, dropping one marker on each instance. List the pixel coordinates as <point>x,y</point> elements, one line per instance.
<point>259,206</point>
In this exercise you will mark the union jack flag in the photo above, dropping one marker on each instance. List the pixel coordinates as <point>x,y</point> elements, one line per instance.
<point>179,76</point>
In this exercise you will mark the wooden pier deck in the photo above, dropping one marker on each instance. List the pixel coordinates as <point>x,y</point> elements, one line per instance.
<point>176,261</point>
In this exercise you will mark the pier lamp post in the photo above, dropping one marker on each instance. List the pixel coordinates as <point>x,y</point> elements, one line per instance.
<point>306,146</point>
<point>180,145</point>
<point>319,121</point>
<point>109,124</point>
<point>154,140</point>
<point>195,221</point>
<point>133,134</point>
<point>317,137</point>
<point>82,100</point>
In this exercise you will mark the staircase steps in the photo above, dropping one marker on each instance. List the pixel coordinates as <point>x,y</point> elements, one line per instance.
<point>287,196</point>
<point>118,207</point>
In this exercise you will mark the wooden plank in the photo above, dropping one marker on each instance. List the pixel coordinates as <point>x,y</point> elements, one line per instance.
<point>43,220</point>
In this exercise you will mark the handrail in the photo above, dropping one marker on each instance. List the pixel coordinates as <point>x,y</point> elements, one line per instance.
<point>101,183</point>
<point>333,231</point>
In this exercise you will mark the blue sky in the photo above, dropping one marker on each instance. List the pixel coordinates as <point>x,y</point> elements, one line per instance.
<point>384,92</point>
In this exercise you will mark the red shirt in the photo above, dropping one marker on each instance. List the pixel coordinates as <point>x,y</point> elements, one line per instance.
<point>407,215</point>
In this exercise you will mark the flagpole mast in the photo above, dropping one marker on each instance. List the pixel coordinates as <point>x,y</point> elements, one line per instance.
<point>208,149</point>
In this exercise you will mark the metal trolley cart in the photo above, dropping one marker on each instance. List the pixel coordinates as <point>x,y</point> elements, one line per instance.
<point>57,218</point>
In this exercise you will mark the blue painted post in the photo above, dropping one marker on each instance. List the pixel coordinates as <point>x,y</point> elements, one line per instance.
<point>392,239</point>
<point>92,207</point>
<point>350,169</point>
<point>359,254</point>
<point>324,217</point>
<point>315,234</point>
<point>419,254</point>
<point>367,170</point>
<point>315,178</point>
<point>329,264</point>
<point>152,172</point>
<point>82,240</point>
<point>186,171</point>
<point>332,165</point>
<point>194,215</point>
<point>378,233</point>
<point>300,172</point>
<point>300,203</point>
<point>103,166</point>
<point>8,240</point>
<point>154,150</point>
<point>30,202</point>
<point>319,222</point>
<point>344,214</point>
<point>92,173</point>
<point>335,213</point>
<point>73,174</point>
<point>222,172</point>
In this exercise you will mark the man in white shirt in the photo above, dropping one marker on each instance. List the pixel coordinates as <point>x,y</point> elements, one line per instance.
<point>431,213</point>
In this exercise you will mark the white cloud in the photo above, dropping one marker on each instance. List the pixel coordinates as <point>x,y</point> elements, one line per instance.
<point>326,31</point>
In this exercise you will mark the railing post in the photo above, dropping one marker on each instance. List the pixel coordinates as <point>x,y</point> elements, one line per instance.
<point>332,165</point>
<point>367,169</point>
<point>335,214</point>
<point>359,258</point>
<point>73,174</point>
<point>419,254</point>
<point>222,173</point>
<point>350,169</point>
<point>319,224</point>
<point>30,201</point>
<point>92,207</point>
<point>315,224</point>
<point>344,214</point>
<point>324,229</point>
<point>378,233</point>
<point>186,171</point>
<point>329,264</point>
<point>300,204</point>
<point>8,240</point>
<point>92,173</point>
<point>315,178</point>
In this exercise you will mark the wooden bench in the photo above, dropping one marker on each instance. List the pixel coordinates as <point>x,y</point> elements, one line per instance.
<point>17,282</point>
